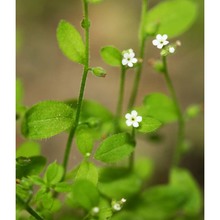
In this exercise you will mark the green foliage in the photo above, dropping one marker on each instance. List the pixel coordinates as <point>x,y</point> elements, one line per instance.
<point>20,108</point>
<point>160,107</point>
<point>85,194</point>
<point>70,42</point>
<point>115,148</point>
<point>98,71</point>
<point>53,174</point>
<point>28,149</point>
<point>88,171</point>
<point>148,124</point>
<point>26,166</point>
<point>111,55</point>
<point>173,17</point>
<point>193,111</point>
<point>47,119</point>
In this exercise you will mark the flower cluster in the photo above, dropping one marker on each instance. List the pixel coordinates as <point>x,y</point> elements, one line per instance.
<point>129,58</point>
<point>133,119</point>
<point>161,41</point>
<point>117,205</point>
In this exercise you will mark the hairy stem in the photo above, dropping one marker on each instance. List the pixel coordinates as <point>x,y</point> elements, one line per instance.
<point>142,40</point>
<point>28,208</point>
<point>120,99</point>
<point>181,122</point>
<point>82,88</point>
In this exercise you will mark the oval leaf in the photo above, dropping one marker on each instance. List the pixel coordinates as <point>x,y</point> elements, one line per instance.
<point>115,148</point>
<point>172,17</point>
<point>148,124</point>
<point>111,55</point>
<point>70,42</point>
<point>28,149</point>
<point>47,119</point>
<point>160,107</point>
<point>85,194</point>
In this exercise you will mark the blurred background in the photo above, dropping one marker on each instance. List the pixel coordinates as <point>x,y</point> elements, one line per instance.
<point>48,75</point>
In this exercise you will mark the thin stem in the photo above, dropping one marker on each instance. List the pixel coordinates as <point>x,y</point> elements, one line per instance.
<point>131,158</point>
<point>142,40</point>
<point>82,88</point>
<point>121,97</point>
<point>28,208</point>
<point>181,122</point>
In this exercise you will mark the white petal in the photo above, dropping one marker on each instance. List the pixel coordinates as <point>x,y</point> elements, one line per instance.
<point>135,124</point>
<point>128,116</point>
<point>155,42</point>
<point>124,62</point>
<point>134,60</point>
<point>171,49</point>
<point>132,54</point>
<point>165,42</point>
<point>130,51</point>
<point>159,46</point>
<point>126,55</point>
<point>139,119</point>
<point>134,113</point>
<point>159,37</point>
<point>130,64</point>
<point>165,37</point>
<point>129,122</point>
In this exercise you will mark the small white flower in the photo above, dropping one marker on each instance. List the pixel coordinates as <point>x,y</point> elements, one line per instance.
<point>160,41</point>
<point>129,58</point>
<point>133,119</point>
<point>171,49</point>
<point>95,210</point>
<point>123,200</point>
<point>117,207</point>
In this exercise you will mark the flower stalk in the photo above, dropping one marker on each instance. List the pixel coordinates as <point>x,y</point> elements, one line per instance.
<point>86,26</point>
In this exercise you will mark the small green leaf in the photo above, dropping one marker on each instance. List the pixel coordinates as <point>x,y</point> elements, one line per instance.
<point>85,194</point>
<point>115,148</point>
<point>47,119</point>
<point>87,171</point>
<point>127,215</point>
<point>26,166</point>
<point>63,187</point>
<point>184,180</point>
<point>28,149</point>
<point>70,42</point>
<point>172,17</point>
<point>148,124</point>
<point>160,107</point>
<point>118,182</point>
<point>53,174</point>
<point>84,138</point>
<point>111,55</point>
<point>98,71</point>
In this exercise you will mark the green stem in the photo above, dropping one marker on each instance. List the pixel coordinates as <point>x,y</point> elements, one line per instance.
<point>28,208</point>
<point>82,88</point>
<point>142,40</point>
<point>181,122</point>
<point>120,99</point>
<point>131,158</point>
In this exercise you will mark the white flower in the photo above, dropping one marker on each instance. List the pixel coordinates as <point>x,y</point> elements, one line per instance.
<point>117,207</point>
<point>95,210</point>
<point>129,58</point>
<point>171,49</point>
<point>160,41</point>
<point>123,200</point>
<point>133,119</point>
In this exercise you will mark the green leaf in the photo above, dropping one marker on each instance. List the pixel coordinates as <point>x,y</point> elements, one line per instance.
<point>63,187</point>
<point>53,174</point>
<point>111,55</point>
<point>70,42</point>
<point>87,171</point>
<point>172,17</point>
<point>85,194</point>
<point>19,93</point>
<point>47,119</point>
<point>28,149</point>
<point>127,215</point>
<point>184,180</point>
<point>118,182</point>
<point>159,106</point>
<point>115,148</point>
<point>161,202</point>
<point>84,138</point>
<point>148,124</point>
<point>98,71</point>
<point>26,166</point>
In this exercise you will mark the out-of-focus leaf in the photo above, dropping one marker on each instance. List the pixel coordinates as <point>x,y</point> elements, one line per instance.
<point>28,149</point>
<point>148,124</point>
